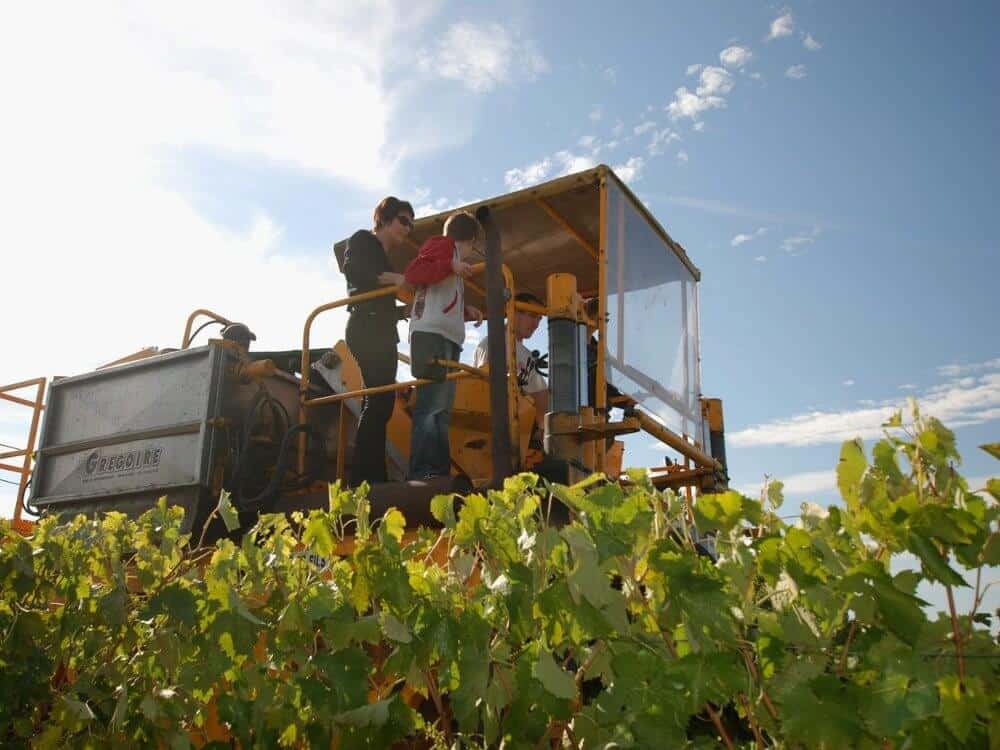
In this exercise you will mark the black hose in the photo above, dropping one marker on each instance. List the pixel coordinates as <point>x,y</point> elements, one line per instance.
<point>202,327</point>
<point>265,499</point>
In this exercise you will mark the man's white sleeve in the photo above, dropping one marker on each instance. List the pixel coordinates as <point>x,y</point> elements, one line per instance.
<point>535,383</point>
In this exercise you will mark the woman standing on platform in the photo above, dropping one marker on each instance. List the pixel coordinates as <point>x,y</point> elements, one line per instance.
<point>371,329</point>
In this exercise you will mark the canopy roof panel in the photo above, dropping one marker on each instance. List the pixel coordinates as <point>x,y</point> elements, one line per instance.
<point>553,227</point>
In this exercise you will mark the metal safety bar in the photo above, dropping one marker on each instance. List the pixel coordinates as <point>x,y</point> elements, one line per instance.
<point>24,470</point>
<point>305,402</point>
<point>186,341</point>
<point>335,398</point>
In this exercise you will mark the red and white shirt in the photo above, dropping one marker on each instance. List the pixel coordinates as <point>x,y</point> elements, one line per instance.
<point>439,302</point>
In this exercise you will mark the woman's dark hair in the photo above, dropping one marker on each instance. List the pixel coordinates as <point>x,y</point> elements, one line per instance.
<point>388,209</point>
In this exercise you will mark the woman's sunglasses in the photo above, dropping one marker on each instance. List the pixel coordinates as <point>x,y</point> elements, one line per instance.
<point>406,221</point>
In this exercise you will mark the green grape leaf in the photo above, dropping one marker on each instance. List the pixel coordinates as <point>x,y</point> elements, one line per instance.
<point>556,680</point>
<point>901,612</point>
<point>719,512</point>
<point>121,708</point>
<point>475,510</point>
<point>78,709</point>
<point>993,449</point>
<point>824,714</point>
<point>958,708</point>
<point>934,563</point>
<point>372,715</point>
<point>318,535</point>
<point>991,552</point>
<point>394,522</point>
<point>229,515</point>
<point>993,487</point>
<point>394,628</point>
<point>884,458</point>
<point>443,509</point>
<point>775,493</point>
<point>850,470</point>
<point>176,602</point>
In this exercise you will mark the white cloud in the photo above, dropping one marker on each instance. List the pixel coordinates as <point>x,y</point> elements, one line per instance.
<point>423,208</point>
<point>714,83</point>
<point>521,177</point>
<point>682,156</point>
<point>907,387</point>
<point>595,114</point>
<point>715,80</point>
<point>610,75</point>
<point>761,258</point>
<point>631,170</point>
<point>643,127</point>
<point>955,404</point>
<point>570,162</point>
<point>694,69</point>
<point>849,382</point>
<point>179,75</point>
<point>810,43</point>
<point>796,72</point>
<point>618,128</point>
<point>559,164</point>
<point>699,126</point>
<point>742,238</point>
<point>735,57</point>
<point>481,57</point>
<point>799,243</point>
<point>105,106</point>
<point>687,104</point>
<point>804,483</point>
<point>783,25</point>
<point>955,370</point>
<point>660,140</point>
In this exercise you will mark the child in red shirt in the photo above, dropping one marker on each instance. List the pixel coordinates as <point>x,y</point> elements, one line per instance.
<point>437,331</point>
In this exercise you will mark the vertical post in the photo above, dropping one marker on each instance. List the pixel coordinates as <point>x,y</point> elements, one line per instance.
<point>29,450</point>
<point>600,378</point>
<point>513,389</point>
<point>341,440</point>
<point>686,417</point>
<point>500,444</point>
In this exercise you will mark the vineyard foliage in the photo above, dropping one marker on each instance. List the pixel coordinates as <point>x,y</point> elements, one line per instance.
<point>505,629</point>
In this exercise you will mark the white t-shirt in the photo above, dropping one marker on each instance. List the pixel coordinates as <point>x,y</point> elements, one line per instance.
<point>534,382</point>
<point>440,308</point>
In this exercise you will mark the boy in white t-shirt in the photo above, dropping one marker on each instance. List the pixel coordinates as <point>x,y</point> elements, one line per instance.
<point>437,331</point>
<point>531,382</point>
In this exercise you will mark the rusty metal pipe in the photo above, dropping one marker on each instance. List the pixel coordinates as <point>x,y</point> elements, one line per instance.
<point>675,441</point>
<point>336,397</point>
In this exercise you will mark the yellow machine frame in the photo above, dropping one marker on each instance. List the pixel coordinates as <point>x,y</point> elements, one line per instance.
<point>698,463</point>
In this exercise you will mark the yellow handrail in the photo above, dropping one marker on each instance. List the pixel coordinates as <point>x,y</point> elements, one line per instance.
<point>186,341</point>
<point>305,402</point>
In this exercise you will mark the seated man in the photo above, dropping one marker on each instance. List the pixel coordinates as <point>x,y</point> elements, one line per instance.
<point>531,381</point>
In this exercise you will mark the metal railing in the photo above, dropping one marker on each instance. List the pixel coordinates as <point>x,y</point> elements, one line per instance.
<point>463,371</point>
<point>213,317</point>
<point>27,453</point>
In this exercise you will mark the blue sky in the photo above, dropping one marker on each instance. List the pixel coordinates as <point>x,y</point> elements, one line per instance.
<point>831,168</point>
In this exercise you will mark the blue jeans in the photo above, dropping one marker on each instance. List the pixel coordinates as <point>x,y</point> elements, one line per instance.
<point>430,454</point>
